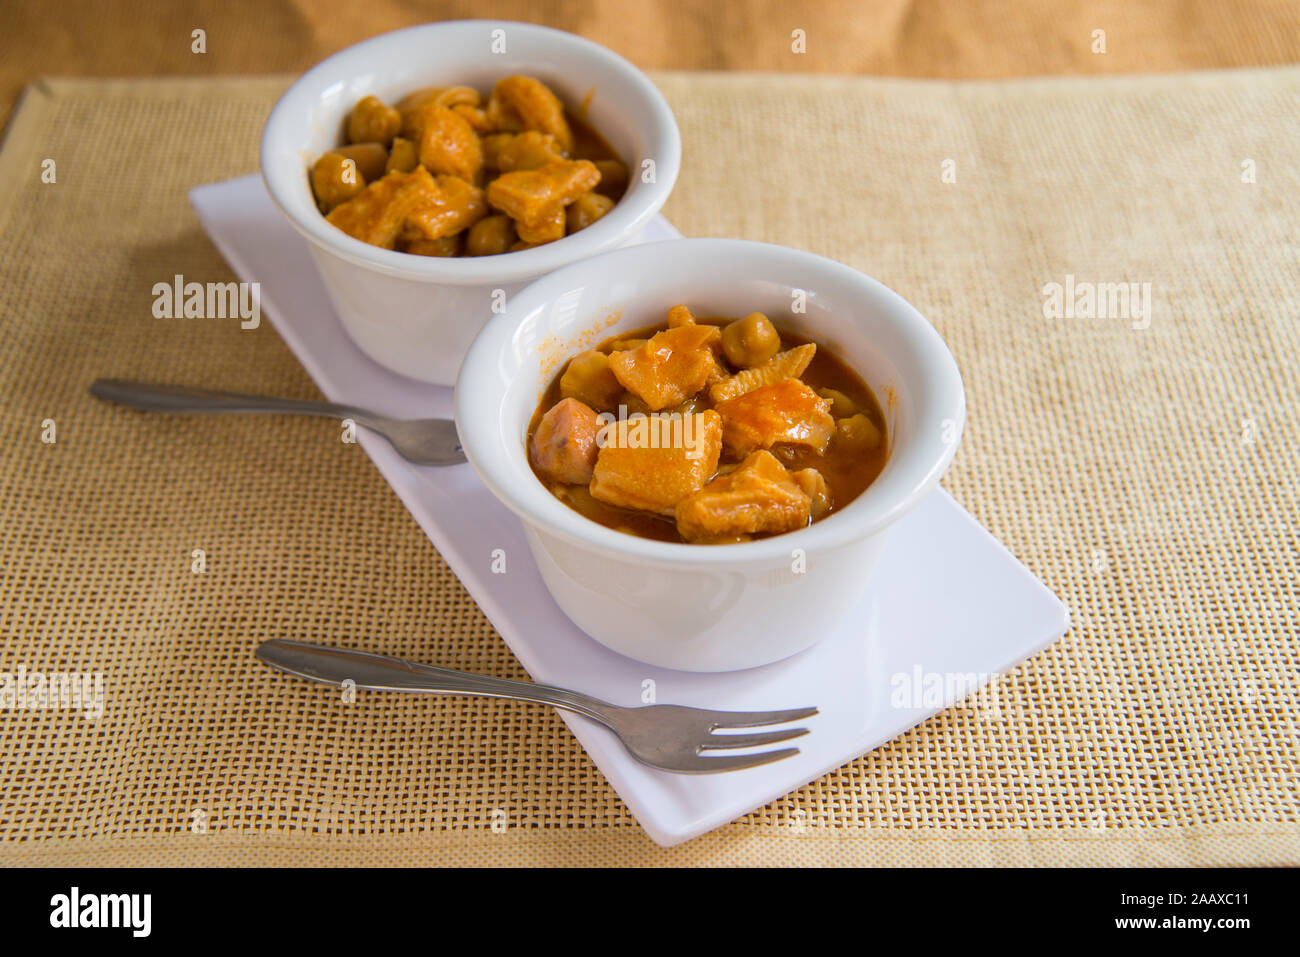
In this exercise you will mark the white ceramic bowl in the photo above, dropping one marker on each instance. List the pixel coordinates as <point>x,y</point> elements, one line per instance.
<point>417,314</point>
<point>709,607</point>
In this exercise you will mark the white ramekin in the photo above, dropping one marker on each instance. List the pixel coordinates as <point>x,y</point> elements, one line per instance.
<point>416,314</point>
<point>700,607</point>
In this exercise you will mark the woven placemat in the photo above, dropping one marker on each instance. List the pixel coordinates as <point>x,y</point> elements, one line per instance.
<point>1145,470</point>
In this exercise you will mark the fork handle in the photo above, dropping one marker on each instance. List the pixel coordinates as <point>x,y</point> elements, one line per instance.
<point>382,673</point>
<point>155,397</point>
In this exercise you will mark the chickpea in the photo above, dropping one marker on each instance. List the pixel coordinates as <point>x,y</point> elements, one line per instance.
<point>493,145</point>
<point>454,133</point>
<point>695,403</point>
<point>404,157</point>
<point>591,381</point>
<point>445,246</point>
<point>841,405</point>
<point>586,209</point>
<point>750,341</point>
<point>490,236</point>
<point>859,432</point>
<point>373,122</point>
<point>371,158</point>
<point>634,403</point>
<point>335,179</point>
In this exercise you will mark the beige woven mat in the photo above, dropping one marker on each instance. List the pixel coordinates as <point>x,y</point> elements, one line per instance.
<point>1146,474</point>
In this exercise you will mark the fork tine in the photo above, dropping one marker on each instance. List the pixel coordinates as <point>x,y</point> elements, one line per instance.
<point>731,762</point>
<point>724,741</point>
<point>754,719</point>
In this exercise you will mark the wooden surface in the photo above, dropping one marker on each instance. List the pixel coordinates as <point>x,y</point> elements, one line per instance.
<point>926,38</point>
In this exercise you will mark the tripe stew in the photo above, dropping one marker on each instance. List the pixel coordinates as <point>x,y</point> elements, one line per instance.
<point>707,431</point>
<point>443,173</point>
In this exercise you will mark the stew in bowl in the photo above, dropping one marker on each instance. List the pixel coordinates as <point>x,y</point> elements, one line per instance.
<point>707,431</point>
<point>445,172</point>
<point>659,417</point>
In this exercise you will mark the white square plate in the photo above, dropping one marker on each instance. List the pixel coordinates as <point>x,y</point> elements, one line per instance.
<point>947,601</point>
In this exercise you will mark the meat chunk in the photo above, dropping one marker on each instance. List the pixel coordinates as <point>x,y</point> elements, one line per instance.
<point>533,196</point>
<point>670,367</point>
<point>815,487</point>
<point>412,107</point>
<point>524,103</point>
<point>653,462</point>
<point>564,446</point>
<point>379,213</point>
<point>680,315</point>
<point>531,150</point>
<point>448,143</point>
<point>759,497</point>
<point>457,206</point>
<point>784,365</point>
<point>474,116</point>
<point>546,231</point>
<point>787,412</point>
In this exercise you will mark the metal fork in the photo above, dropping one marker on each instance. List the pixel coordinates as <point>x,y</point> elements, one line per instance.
<point>664,736</point>
<point>421,441</point>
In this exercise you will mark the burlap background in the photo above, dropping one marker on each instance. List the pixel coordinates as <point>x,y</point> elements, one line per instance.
<point>1147,475</point>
